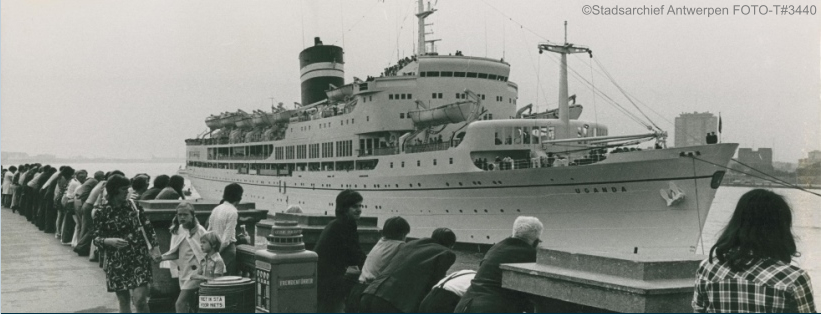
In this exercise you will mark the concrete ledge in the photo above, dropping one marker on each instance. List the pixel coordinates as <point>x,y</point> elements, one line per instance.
<point>606,281</point>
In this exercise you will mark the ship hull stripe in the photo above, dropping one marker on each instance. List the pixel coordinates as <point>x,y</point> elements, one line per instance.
<point>466,187</point>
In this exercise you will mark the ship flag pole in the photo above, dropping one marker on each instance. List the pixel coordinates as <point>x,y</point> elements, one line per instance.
<point>564,50</point>
<point>422,49</point>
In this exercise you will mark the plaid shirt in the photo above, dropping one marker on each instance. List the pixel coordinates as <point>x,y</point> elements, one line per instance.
<point>768,286</point>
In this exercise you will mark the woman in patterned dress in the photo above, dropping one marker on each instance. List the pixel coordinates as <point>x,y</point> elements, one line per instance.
<point>128,258</point>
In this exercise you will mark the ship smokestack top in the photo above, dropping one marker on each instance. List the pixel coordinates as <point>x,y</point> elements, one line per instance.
<point>320,65</point>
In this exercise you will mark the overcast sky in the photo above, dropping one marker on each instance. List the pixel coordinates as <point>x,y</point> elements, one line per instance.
<point>136,78</point>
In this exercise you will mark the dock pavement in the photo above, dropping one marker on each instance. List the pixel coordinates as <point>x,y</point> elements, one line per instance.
<point>39,275</point>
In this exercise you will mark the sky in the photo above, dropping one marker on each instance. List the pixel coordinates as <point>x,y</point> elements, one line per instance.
<point>132,79</point>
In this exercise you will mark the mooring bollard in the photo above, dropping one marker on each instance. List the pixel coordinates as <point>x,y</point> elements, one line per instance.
<point>286,272</point>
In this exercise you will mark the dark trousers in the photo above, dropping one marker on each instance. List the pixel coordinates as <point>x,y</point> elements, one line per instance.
<point>68,222</point>
<point>41,210</point>
<point>86,231</point>
<point>229,256</point>
<point>50,213</point>
<point>33,204</point>
<point>373,304</point>
<point>439,300</point>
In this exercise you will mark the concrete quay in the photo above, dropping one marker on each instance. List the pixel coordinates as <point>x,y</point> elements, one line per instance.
<point>39,275</point>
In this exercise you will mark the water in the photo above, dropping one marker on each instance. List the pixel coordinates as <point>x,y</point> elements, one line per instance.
<point>806,212</point>
<point>806,225</point>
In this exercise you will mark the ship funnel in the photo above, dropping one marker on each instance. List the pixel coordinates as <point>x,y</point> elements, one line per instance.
<point>320,65</point>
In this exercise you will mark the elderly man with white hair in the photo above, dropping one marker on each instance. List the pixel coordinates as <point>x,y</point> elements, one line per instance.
<point>486,294</point>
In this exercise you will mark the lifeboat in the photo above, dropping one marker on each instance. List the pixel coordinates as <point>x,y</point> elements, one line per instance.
<point>278,117</point>
<point>451,113</point>
<point>213,122</point>
<point>575,112</point>
<point>339,93</point>
<point>258,119</point>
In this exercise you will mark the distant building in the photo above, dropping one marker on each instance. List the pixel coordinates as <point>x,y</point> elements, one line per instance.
<point>812,158</point>
<point>692,128</point>
<point>761,159</point>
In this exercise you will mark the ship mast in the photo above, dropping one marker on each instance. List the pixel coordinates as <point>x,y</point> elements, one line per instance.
<point>564,50</point>
<point>422,45</point>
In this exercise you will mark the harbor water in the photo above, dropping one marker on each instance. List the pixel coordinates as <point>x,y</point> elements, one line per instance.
<point>806,214</point>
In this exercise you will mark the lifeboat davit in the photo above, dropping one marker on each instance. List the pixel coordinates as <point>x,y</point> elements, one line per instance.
<point>451,113</point>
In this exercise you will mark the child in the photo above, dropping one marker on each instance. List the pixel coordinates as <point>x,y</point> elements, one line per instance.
<point>212,266</point>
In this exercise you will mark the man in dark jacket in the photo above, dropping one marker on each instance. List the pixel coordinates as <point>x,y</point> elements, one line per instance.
<point>415,269</point>
<point>160,182</point>
<point>338,248</point>
<point>486,294</point>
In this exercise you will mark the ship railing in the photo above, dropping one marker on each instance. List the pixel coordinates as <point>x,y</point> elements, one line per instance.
<point>421,148</point>
<point>384,151</point>
<point>251,157</point>
<point>538,163</point>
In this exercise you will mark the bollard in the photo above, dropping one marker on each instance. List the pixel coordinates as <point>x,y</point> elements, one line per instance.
<point>286,272</point>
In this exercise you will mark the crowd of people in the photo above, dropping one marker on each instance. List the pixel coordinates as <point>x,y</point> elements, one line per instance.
<point>749,268</point>
<point>400,276</point>
<point>98,216</point>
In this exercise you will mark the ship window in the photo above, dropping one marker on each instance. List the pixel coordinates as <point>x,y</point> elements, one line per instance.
<point>390,96</point>
<point>352,122</point>
<point>451,160</point>
<point>440,95</point>
<point>483,96</point>
<point>433,73</point>
<point>367,118</point>
<point>403,166</point>
<point>401,115</point>
<point>471,74</point>
<point>458,96</point>
<point>447,74</point>
<point>483,75</point>
<point>434,162</point>
<point>422,74</point>
<point>418,163</point>
<point>490,116</point>
<point>433,95</point>
<point>459,74</point>
<point>492,77</point>
<point>391,164</point>
<point>403,96</point>
<point>410,96</point>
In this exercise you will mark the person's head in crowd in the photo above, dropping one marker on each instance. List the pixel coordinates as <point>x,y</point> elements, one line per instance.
<point>66,172</point>
<point>115,172</point>
<point>186,217</point>
<point>139,184</point>
<point>61,168</point>
<point>99,176</point>
<point>444,236</point>
<point>760,228</point>
<point>232,193</point>
<point>349,204</point>
<point>13,169</point>
<point>395,228</point>
<point>161,181</point>
<point>81,175</point>
<point>177,183</point>
<point>210,242</point>
<point>116,188</point>
<point>528,229</point>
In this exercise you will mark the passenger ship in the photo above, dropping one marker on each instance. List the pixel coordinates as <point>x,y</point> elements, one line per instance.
<point>439,141</point>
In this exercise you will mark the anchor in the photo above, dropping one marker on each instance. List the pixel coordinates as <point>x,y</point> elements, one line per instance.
<point>673,195</point>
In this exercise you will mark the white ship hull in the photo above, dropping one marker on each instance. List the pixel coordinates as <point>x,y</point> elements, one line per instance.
<point>613,205</point>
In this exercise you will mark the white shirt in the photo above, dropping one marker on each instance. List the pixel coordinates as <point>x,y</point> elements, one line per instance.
<point>223,222</point>
<point>380,256</point>
<point>459,283</point>
<point>72,187</point>
<point>97,194</point>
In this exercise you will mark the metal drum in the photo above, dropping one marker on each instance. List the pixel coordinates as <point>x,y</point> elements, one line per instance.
<point>228,294</point>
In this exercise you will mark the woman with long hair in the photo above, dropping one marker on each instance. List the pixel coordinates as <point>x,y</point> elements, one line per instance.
<point>338,249</point>
<point>125,234</point>
<point>749,268</point>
